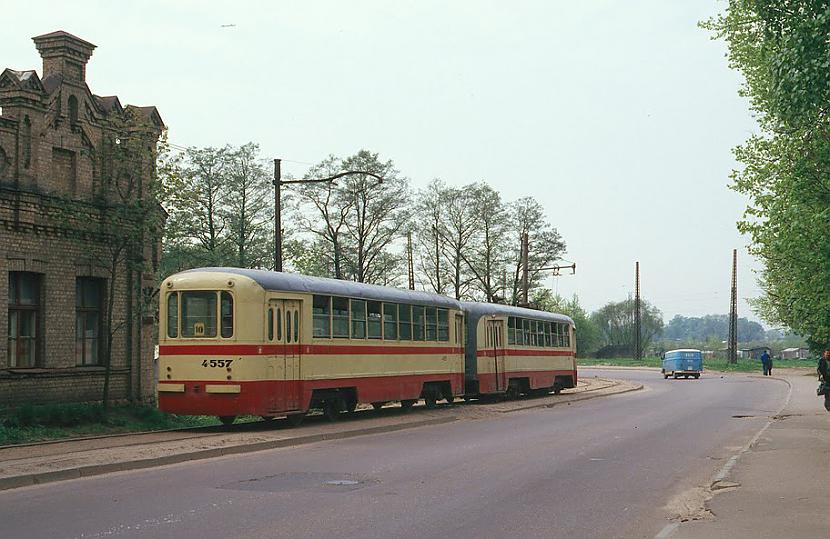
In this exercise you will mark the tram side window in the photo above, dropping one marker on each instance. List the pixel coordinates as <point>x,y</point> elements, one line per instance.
<point>443,325</point>
<point>417,323</point>
<point>567,335</point>
<point>375,320</point>
<point>227,315</point>
<point>173,315</point>
<point>390,321</point>
<point>198,314</point>
<point>340,317</point>
<point>432,324</point>
<point>358,319</point>
<point>270,323</point>
<point>540,333</point>
<point>560,338</point>
<point>405,316</point>
<point>321,313</point>
<point>528,335</point>
<point>546,334</point>
<point>519,332</point>
<point>511,330</point>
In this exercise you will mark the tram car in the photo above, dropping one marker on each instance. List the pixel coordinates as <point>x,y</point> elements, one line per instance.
<point>249,342</point>
<point>514,350</point>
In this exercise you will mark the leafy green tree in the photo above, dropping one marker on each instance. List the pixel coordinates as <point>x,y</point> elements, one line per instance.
<point>782,47</point>
<point>587,333</point>
<point>429,217</point>
<point>615,323</point>
<point>545,244</point>
<point>248,207</point>
<point>490,249</point>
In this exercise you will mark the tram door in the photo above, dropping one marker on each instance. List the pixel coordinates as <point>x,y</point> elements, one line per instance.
<point>495,343</point>
<point>288,332</point>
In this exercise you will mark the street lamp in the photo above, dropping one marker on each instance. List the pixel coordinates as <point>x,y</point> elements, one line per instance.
<point>279,182</point>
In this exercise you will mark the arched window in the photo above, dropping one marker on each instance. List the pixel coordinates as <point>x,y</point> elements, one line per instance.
<point>27,142</point>
<point>73,111</point>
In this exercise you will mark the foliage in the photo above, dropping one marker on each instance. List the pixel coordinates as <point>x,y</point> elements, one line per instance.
<point>587,333</point>
<point>710,326</point>
<point>782,49</point>
<point>615,323</point>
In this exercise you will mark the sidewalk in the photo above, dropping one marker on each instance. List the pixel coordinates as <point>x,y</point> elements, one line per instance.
<point>43,463</point>
<point>779,486</point>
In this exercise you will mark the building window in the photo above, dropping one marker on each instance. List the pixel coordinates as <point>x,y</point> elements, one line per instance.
<point>27,142</point>
<point>88,301</point>
<point>24,319</point>
<point>73,111</point>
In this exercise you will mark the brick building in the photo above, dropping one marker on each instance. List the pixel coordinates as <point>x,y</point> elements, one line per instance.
<point>75,202</point>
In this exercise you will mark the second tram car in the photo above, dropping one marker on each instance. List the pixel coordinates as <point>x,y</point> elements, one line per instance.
<point>249,342</point>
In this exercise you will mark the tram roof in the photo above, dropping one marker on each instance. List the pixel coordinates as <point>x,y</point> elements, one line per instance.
<point>294,282</point>
<point>477,310</point>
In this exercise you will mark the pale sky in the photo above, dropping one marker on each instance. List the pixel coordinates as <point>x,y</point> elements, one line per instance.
<point>619,117</point>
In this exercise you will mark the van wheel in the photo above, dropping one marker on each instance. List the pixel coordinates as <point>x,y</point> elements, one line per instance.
<point>665,377</point>
<point>697,376</point>
<point>227,419</point>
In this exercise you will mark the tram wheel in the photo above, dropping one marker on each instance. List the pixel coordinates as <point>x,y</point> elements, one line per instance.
<point>512,392</point>
<point>351,406</point>
<point>430,401</point>
<point>407,405</point>
<point>377,405</point>
<point>267,418</point>
<point>227,419</point>
<point>331,410</point>
<point>295,420</point>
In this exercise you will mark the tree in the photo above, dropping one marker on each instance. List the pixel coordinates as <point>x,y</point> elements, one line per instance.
<point>587,334</point>
<point>322,210</point>
<point>545,243</point>
<point>429,213</point>
<point>490,247</point>
<point>781,47</point>
<point>458,227</point>
<point>248,208</point>
<point>380,214</point>
<point>699,329</point>
<point>615,322</point>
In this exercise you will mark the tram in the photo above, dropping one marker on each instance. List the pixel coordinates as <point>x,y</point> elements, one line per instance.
<point>250,342</point>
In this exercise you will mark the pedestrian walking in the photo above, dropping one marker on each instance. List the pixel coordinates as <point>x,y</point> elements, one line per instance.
<point>824,376</point>
<point>766,363</point>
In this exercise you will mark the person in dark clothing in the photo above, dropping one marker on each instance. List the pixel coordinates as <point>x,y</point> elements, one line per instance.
<point>766,362</point>
<point>824,375</point>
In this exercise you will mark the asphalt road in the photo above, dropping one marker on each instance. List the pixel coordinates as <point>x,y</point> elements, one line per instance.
<point>599,468</point>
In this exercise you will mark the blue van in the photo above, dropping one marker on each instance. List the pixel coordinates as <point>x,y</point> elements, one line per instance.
<point>685,362</point>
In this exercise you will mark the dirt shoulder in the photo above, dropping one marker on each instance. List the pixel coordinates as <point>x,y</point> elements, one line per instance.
<point>41,463</point>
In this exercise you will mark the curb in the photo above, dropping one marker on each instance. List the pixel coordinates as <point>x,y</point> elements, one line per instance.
<point>18,481</point>
<point>577,398</point>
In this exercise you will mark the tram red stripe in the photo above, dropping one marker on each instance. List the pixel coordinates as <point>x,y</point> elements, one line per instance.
<point>304,349</point>
<point>520,352</point>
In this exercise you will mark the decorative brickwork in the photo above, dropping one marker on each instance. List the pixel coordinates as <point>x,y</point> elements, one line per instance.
<point>64,215</point>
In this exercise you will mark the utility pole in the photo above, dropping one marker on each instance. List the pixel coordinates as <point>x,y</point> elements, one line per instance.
<point>733,312</point>
<point>279,182</point>
<point>638,346</point>
<point>525,270</point>
<point>410,263</point>
<point>277,216</point>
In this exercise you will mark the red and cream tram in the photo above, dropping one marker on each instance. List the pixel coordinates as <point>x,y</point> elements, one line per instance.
<point>249,342</point>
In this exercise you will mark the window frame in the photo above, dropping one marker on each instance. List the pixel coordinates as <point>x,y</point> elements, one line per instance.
<point>316,317</point>
<point>82,311</point>
<point>16,310</point>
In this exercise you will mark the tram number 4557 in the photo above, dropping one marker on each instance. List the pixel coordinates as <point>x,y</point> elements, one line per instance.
<point>221,363</point>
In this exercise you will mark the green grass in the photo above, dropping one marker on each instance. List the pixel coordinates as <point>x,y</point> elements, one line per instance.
<point>743,365</point>
<point>30,423</point>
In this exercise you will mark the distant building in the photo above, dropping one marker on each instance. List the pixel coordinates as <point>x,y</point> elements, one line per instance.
<point>795,353</point>
<point>61,174</point>
<point>754,353</point>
